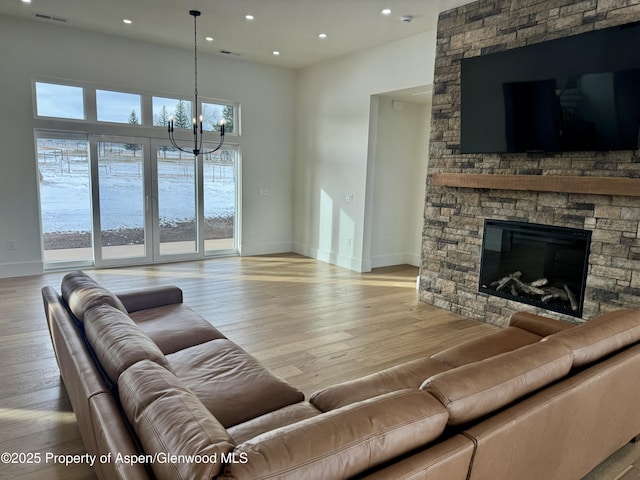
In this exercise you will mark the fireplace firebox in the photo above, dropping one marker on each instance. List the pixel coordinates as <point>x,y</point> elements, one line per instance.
<point>539,265</point>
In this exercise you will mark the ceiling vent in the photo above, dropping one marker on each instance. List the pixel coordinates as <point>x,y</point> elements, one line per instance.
<point>51,18</point>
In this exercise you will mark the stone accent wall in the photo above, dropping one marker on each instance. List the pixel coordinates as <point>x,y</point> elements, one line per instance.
<point>453,220</point>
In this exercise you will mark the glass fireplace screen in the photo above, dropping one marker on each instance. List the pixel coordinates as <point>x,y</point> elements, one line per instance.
<point>540,265</point>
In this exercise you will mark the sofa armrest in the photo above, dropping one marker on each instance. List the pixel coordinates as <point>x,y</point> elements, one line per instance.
<point>538,324</point>
<point>113,438</point>
<point>144,298</point>
<point>344,442</point>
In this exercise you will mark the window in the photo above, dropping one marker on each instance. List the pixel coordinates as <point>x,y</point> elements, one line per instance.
<point>213,113</point>
<point>118,107</point>
<point>163,108</point>
<point>112,189</point>
<point>65,197</point>
<point>220,194</point>
<point>61,101</point>
<point>56,100</point>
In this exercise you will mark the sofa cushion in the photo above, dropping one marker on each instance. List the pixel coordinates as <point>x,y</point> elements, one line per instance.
<point>495,343</point>
<point>81,292</point>
<point>170,420</point>
<point>175,326</point>
<point>474,390</point>
<point>400,377</point>
<point>232,384</point>
<point>605,334</point>
<point>118,342</point>
<point>272,420</point>
<point>344,442</point>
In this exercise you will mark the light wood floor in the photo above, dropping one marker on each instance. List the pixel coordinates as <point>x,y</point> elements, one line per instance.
<point>312,323</point>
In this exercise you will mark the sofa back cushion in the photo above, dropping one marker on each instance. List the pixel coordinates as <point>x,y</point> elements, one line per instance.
<point>118,342</point>
<point>81,292</point>
<point>476,349</point>
<point>477,389</point>
<point>406,375</point>
<point>605,334</point>
<point>170,420</point>
<point>344,442</point>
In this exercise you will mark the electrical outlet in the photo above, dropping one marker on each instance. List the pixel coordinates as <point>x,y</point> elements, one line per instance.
<point>11,244</point>
<point>264,192</point>
<point>348,197</point>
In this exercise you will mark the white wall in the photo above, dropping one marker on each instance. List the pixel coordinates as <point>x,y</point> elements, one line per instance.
<point>266,95</point>
<point>321,116</point>
<point>333,148</point>
<point>400,164</point>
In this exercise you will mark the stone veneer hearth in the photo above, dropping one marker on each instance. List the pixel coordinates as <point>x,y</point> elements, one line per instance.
<point>453,219</point>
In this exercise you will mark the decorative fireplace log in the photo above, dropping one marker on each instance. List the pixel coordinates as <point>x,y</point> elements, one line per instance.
<point>539,283</point>
<point>567,295</point>
<point>514,281</point>
<point>504,281</point>
<point>552,293</point>
<point>572,298</point>
<point>547,293</point>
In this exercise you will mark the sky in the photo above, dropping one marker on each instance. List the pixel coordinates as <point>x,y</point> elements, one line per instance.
<point>65,101</point>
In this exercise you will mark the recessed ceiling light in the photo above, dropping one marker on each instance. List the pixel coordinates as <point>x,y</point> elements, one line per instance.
<point>276,53</point>
<point>209,39</point>
<point>386,11</point>
<point>322,35</point>
<point>26,1</point>
<point>127,21</point>
<point>249,17</point>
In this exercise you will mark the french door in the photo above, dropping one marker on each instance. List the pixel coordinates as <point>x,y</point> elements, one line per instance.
<point>176,200</point>
<point>195,202</point>
<point>122,220</point>
<point>114,200</point>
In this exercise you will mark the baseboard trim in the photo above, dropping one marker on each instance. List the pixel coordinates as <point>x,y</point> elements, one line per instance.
<point>21,269</point>
<point>265,249</point>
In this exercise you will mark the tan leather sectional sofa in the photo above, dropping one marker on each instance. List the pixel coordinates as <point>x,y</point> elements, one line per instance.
<point>159,392</point>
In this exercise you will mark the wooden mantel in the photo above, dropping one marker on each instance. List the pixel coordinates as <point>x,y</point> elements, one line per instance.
<point>542,183</point>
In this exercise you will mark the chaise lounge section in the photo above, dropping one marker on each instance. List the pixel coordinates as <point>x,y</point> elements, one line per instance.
<point>159,392</point>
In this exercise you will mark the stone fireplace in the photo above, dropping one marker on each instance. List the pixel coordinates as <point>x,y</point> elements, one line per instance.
<point>597,192</point>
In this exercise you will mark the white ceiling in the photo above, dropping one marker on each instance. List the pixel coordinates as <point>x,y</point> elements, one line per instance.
<point>288,26</point>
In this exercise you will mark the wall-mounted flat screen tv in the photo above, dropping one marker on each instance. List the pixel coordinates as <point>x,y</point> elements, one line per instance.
<point>578,93</point>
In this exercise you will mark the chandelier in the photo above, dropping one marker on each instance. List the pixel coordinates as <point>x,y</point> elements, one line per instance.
<point>197,119</point>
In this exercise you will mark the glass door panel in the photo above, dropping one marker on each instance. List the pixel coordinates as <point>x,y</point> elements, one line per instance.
<point>122,199</point>
<point>219,177</point>
<point>116,200</point>
<point>65,198</point>
<point>177,202</point>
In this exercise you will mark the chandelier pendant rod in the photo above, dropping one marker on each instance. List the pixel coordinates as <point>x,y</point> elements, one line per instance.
<point>196,147</point>
<point>198,136</point>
